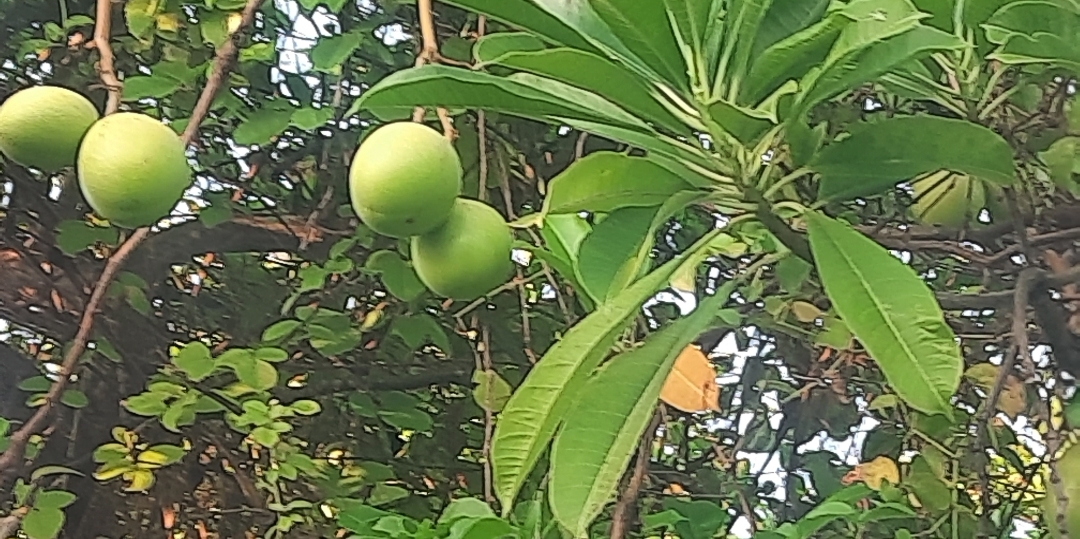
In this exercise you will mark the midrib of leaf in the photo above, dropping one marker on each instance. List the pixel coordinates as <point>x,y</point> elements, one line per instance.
<point>864,283</point>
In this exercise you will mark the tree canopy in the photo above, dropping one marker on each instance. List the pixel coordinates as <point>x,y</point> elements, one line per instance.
<point>782,269</point>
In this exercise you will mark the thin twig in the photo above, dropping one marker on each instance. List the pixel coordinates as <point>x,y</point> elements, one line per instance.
<point>621,517</point>
<point>106,68</point>
<point>222,63</point>
<point>429,53</point>
<point>489,419</point>
<point>1028,278</point>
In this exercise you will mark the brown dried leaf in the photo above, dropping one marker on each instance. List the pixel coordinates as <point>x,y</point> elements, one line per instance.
<point>1013,398</point>
<point>691,386</point>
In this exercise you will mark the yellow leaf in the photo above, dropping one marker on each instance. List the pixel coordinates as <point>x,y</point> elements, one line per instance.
<point>684,279</point>
<point>691,386</point>
<point>168,22</point>
<point>874,472</point>
<point>234,22</point>
<point>805,312</point>
<point>141,480</point>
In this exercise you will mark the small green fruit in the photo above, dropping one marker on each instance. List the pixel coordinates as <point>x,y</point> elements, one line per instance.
<point>41,126</point>
<point>132,169</point>
<point>947,199</point>
<point>404,179</point>
<point>466,257</point>
<point>1068,468</point>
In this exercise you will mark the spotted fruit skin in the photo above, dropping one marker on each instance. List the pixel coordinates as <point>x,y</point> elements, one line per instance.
<point>947,199</point>
<point>404,179</point>
<point>42,126</point>
<point>468,256</point>
<point>132,169</point>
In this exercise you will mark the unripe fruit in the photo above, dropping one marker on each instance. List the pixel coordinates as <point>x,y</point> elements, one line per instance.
<point>947,199</point>
<point>1068,468</point>
<point>41,126</point>
<point>466,257</point>
<point>132,169</point>
<point>404,179</point>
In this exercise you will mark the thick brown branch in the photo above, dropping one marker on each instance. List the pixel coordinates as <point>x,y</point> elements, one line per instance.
<point>621,519</point>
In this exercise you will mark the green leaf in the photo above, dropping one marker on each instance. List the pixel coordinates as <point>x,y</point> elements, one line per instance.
<point>465,508</point>
<point>491,391</point>
<point>602,430</point>
<point>44,523</point>
<point>384,494</point>
<point>521,94</point>
<point>280,329</point>
<point>309,118</point>
<point>871,60</point>
<point>741,23</point>
<point>643,27</point>
<point>74,236</point>
<point>331,52</point>
<point>539,404</point>
<point>397,275</point>
<point>597,75</point>
<point>263,125</point>
<point>162,454</point>
<point>891,311</point>
<point>607,181</point>
<point>35,383</point>
<point>147,404</point>
<point>54,499</point>
<point>271,354</point>
<point>195,361</point>
<point>1062,159</point>
<point>526,15</point>
<point>74,398</point>
<point>144,86</point>
<point>878,155</point>
<point>606,250</point>
<point>306,407</point>
<point>786,18</point>
<point>790,58</point>
<point>45,471</point>
<point>418,329</point>
<point>258,374</point>
<point>491,47</point>
<point>746,125</point>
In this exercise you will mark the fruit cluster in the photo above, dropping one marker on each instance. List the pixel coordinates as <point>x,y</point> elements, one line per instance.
<point>405,181</point>
<point>131,168</point>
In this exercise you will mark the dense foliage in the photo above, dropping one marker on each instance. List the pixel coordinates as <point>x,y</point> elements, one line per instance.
<point>863,211</point>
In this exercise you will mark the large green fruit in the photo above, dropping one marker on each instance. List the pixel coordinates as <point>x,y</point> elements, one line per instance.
<point>1069,469</point>
<point>947,199</point>
<point>404,179</point>
<point>41,126</point>
<point>466,257</point>
<point>132,169</point>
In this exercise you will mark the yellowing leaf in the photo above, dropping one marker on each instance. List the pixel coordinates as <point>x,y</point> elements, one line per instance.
<point>982,374</point>
<point>805,312</point>
<point>168,22</point>
<point>141,480</point>
<point>874,472</point>
<point>234,22</point>
<point>691,386</point>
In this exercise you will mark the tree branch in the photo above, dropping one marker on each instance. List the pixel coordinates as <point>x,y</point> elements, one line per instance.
<point>621,519</point>
<point>106,68</point>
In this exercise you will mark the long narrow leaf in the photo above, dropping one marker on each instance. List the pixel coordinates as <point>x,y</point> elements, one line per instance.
<point>891,311</point>
<point>878,155</point>
<point>528,423</point>
<point>643,27</point>
<point>520,95</point>
<point>598,439</point>
<point>524,14</point>
<point>597,75</point>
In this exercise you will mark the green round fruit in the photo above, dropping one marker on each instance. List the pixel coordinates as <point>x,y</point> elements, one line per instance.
<point>468,255</point>
<point>132,169</point>
<point>947,199</point>
<point>1069,469</point>
<point>41,126</point>
<point>404,179</point>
